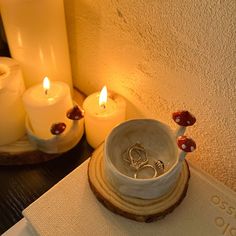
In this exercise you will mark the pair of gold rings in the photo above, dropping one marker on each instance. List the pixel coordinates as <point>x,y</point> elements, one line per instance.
<point>158,169</point>
<point>136,156</point>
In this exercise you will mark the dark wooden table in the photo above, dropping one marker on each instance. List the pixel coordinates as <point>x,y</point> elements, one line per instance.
<point>21,185</point>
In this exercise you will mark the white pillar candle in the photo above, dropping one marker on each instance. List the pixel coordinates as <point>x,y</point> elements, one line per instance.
<point>37,38</point>
<point>101,118</point>
<point>12,114</point>
<point>47,105</point>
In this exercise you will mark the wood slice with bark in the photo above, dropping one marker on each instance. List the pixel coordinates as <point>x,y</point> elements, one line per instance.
<point>141,210</point>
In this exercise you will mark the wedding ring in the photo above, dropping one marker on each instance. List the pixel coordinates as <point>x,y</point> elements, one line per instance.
<point>143,167</point>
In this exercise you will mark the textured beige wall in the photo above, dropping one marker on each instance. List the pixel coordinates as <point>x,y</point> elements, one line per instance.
<point>164,56</point>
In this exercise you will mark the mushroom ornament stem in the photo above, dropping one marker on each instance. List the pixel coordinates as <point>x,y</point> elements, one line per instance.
<point>186,145</point>
<point>64,141</point>
<point>76,114</point>
<point>180,131</point>
<point>183,119</point>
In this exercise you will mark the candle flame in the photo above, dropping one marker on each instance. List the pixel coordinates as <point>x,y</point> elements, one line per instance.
<point>46,84</point>
<point>103,97</point>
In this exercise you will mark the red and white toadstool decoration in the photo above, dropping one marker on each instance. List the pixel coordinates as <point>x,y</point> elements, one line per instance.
<point>183,119</point>
<point>58,128</point>
<point>186,145</point>
<point>75,113</point>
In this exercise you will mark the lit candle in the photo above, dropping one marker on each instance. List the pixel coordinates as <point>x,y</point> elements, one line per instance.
<point>12,114</point>
<point>47,104</point>
<point>102,113</point>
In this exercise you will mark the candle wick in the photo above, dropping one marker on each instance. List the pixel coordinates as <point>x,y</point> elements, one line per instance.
<point>46,91</point>
<point>103,105</point>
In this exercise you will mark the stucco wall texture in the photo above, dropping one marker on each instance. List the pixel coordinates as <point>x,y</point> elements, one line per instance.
<point>163,56</point>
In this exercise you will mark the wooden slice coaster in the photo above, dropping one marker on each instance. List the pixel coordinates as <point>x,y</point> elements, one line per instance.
<point>129,207</point>
<point>22,152</point>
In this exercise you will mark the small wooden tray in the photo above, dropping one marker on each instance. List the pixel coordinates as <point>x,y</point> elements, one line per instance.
<point>23,152</point>
<point>134,208</point>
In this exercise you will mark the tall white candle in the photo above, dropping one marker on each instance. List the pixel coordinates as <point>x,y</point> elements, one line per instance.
<point>101,116</point>
<point>12,114</point>
<point>37,38</point>
<point>46,106</point>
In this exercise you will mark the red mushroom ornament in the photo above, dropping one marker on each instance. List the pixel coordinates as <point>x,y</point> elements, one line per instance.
<point>183,119</point>
<point>75,113</point>
<point>186,144</point>
<point>58,128</point>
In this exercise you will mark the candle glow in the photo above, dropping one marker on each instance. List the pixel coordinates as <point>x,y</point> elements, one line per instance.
<point>103,97</point>
<point>102,113</point>
<point>46,85</point>
<point>44,109</point>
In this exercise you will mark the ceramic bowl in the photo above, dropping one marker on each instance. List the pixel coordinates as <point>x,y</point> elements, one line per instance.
<point>159,142</point>
<point>57,143</point>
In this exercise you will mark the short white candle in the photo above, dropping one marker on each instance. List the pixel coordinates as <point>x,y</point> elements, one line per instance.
<point>101,117</point>
<point>12,114</point>
<point>46,105</point>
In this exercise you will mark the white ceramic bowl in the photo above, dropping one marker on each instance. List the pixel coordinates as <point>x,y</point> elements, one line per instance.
<point>57,143</point>
<point>160,144</point>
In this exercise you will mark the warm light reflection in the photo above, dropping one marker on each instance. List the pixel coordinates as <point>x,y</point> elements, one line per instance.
<point>53,57</point>
<point>41,56</point>
<point>46,84</point>
<point>103,97</point>
<point>19,39</point>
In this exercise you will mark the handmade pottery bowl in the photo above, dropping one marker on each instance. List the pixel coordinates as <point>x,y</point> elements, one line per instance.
<point>58,143</point>
<point>159,143</point>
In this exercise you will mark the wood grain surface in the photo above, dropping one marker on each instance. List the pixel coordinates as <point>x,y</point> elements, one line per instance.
<point>21,185</point>
<point>142,210</point>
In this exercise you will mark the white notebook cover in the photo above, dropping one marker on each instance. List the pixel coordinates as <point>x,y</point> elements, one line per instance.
<point>70,208</point>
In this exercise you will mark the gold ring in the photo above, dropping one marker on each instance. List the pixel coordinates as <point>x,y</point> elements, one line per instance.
<point>143,167</point>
